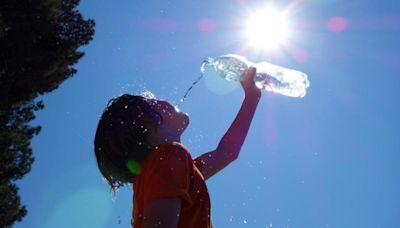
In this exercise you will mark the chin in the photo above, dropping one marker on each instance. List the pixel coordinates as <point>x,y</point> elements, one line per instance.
<point>184,123</point>
<point>187,120</point>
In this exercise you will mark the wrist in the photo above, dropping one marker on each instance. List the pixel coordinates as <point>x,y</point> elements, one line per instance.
<point>253,97</point>
<point>254,94</point>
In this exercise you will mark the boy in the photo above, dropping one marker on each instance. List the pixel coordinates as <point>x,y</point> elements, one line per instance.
<point>138,141</point>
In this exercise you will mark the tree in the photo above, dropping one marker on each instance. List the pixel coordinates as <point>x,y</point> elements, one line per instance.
<point>39,41</point>
<point>38,44</point>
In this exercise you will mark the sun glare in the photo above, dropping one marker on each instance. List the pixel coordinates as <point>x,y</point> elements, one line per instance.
<point>267,28</point>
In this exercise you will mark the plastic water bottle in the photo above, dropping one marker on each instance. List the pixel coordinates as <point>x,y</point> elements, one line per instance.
<point>269,77</point>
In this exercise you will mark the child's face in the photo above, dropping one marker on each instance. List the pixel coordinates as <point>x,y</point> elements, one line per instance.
<point>173,122</point>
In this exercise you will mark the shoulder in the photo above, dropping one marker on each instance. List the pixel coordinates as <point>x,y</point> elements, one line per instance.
<point>168,167</point>
<point>174,146</point>
<point>168,155</point>
<point>171,150</point>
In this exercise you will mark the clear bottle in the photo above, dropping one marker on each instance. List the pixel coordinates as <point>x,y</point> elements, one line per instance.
<point>269,77</point>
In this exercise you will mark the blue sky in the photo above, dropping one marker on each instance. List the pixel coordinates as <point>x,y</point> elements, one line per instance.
<point>329,159</point>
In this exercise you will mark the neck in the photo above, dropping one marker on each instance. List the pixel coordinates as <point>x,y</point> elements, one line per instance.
<point>158,141</point>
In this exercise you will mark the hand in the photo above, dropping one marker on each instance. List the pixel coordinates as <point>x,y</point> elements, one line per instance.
<point>248,84</point>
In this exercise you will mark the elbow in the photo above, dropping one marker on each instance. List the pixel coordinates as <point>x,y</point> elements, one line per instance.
<point>231,152</point>
<point>234,156</point>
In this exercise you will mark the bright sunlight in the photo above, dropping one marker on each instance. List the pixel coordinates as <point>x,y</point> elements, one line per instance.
<point>267,28</point>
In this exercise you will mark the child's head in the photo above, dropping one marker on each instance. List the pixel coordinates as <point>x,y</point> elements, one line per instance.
<point>129,128</point>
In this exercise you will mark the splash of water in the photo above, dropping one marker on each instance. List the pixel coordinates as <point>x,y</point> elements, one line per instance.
<point>148,94</point>
<point>190,88</point>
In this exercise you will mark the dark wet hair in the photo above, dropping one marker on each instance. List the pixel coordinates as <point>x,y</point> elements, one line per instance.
<point>121,142</point>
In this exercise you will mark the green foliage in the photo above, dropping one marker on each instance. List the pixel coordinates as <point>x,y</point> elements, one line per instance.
<point>15,157</point>
<point>39,42</point>
<point>10,210</point>
<point>39,46</point>
<point>15,135</point>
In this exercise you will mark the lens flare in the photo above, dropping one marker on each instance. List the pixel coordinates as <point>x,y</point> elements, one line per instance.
<point>133,166</point>
<point>337,24</point>
<point>207,25</point>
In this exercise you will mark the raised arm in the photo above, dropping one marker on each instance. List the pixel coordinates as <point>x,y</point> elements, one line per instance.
<point>229,146</point>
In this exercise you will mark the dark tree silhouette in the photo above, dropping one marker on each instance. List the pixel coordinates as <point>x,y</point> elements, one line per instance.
<point>39,41</point>
<point>11,210</point>
<point>38,44</point>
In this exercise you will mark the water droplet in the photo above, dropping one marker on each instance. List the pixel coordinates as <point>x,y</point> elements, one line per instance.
<point>245,221</point>
<point>148,95</point>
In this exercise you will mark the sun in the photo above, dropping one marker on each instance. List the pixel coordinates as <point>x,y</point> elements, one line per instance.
<point>267,28</point>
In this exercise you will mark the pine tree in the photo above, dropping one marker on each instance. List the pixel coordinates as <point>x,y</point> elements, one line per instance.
<point>39,41</point>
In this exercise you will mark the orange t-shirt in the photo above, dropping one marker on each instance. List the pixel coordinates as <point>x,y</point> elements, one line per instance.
<point>170,171</point>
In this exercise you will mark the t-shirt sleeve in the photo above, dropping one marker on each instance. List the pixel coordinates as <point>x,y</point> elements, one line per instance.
<point>168,175</point>
<point>199,163</point>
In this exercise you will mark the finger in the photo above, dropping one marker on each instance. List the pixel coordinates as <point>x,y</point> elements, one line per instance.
<point>251,71</point>
<point>249,74</point>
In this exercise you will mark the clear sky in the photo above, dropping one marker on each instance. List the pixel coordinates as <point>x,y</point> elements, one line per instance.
<point>330,159</point>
